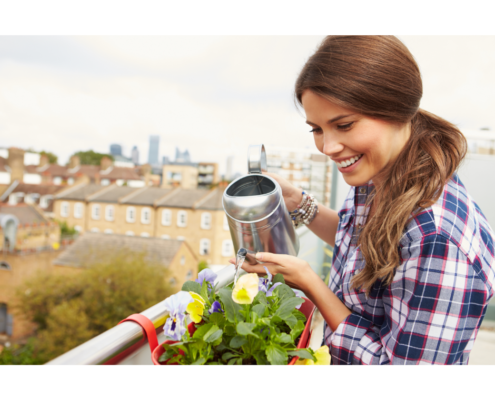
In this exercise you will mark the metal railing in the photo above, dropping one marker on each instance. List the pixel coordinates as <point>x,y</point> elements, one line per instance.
<point>124,340</point>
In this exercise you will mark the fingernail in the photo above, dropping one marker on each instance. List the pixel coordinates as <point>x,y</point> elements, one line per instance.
<point>259,256</point>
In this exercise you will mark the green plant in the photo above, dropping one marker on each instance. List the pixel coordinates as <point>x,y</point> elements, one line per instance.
<point>91,157</point>
<point>202,265</point>
<point>65,229</point>
<point>256,322</point>
<point>18,354</point>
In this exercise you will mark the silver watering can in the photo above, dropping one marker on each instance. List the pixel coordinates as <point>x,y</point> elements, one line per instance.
<point>256,212</point>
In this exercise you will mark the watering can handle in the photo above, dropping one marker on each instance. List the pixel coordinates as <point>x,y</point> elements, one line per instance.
<point>256,159</point>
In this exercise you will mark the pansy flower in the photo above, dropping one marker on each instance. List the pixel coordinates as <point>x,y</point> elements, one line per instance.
<point>215,307</point>
<point>196,308</point>
<point>246,289</point>
<point>176,305</point>
<point>322,356</point>
<point>265,282</point>
<point>206,275</point>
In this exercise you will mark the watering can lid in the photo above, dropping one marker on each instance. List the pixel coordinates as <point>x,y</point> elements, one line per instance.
<point>256,159</point>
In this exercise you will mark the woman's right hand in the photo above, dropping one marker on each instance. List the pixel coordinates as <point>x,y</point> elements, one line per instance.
<point>292,195</point>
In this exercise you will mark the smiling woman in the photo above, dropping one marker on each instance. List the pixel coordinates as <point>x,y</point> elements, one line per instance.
<point>413,261</point>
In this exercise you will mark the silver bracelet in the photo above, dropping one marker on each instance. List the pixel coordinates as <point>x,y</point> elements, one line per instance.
<point>306,211</point>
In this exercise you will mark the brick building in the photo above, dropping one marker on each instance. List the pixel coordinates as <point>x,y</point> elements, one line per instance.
<point>192,215</point>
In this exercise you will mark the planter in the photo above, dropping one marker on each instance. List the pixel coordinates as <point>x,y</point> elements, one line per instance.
<point>307,308</point>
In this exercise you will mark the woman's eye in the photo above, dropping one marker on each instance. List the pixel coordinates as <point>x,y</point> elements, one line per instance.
<point>315,130</point>
<point>345,127</point>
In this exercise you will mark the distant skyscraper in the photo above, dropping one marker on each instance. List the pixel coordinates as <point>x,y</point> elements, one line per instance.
<point>135,155</point>
<point>115,149</point>
<point>153,153</point>
<point>182,157</point>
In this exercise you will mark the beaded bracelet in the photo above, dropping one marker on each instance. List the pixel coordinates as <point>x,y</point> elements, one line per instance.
<point>306,211</point>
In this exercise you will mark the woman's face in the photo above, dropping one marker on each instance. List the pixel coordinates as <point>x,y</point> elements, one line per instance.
<point>360,146</point>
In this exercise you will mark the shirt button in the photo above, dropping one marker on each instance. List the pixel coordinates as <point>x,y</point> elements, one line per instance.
<point>362,190</point>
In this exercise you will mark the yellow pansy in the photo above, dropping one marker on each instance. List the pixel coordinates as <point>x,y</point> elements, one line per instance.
<point>196,308</point>
<point>322,357</point>
<point>246,289</point>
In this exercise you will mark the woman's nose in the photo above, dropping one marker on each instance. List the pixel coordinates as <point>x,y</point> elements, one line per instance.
<point>331,146</point>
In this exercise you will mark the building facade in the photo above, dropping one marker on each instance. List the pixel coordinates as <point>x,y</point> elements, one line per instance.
<point>192,215</point>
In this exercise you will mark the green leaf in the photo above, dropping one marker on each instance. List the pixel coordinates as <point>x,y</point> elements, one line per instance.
<point>291,321</point>
<point>233,361</point>
<point>217,342</point>
<point>276,354</point>
<point>214,363</point>
<point>210,332</point>
<point>228,355</point>
<point>283,292</point>
<point>284,338</point>
<point>231,308</point>
<point>214,336</point>
<point>260,298</point>
<point>299,315</point>
<point>260,358</point>
<point>237,341</point>
<point>296,331</point>
<point>191,286</point>
<point>302,353</point>
<point>200,361</point>
<point>278,278</point>
<point>217,319</point>
<point>230,330</point>
<point>202,330</point>
<point>246,328</point>
<point>259,309</point>
<point>287,306</point>
<point>204,291</point>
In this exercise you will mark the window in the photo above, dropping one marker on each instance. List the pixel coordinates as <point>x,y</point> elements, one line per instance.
<point>130,215</point>
<point>165,236</point>
<point>145,215</point>
<point>109,213</point>
<point>145,234</point>
<point>129,233</point>
<point>95,211</point>
<point>96,230</point>
<point>206,220</point>
<point>189,274</point>
<point>172,281</point>
<point>227,248</point>
<point>5,265</point>
<point>64,209</point>
<point>182,219</point>
<point>166,217</point>
<point>78,210</point>
<point>78,228</point>
<point>225,223</point>
<point>45,201</point>
<point>108,231</point>
<point>105,182</point>
<point>57,180</point>
<point>204,247</point>
<point>70,181</point>
<point>181,238</point>
<point>183,261</point>
<point>3,318</point>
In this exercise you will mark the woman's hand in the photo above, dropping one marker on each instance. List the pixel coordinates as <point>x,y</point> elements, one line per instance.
<point>297,273</point>
<point>292,195</point>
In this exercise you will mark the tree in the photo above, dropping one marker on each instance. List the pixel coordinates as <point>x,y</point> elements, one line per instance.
<point>70,309</point>
<point>91,157</point>
<point>52,158</point>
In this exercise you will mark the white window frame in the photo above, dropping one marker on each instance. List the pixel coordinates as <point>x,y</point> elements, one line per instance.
<point>96,230</point>
<point>129,233</point>
<point>64,209</point>
<point>95,215</point>
<point>70,181</point>
<point>166,217</point>
<point>57,180</point>
<point>165,237</point>
<point>105,182</point>
<point>227,248</point>
<point>143,213</point>
<point>204,244</point>
<point>180,223</point>
<point>128,216</point>
<point>108,231</point>
<point>110,213</point>
<point>225,223</point>
<point>78,210</point>
<point>182,238</point>
<point>45,200</point>
<point>206,220</point>
<point>145,234</point>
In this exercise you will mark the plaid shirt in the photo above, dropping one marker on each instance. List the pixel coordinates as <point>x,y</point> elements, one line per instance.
<point>432,310</point>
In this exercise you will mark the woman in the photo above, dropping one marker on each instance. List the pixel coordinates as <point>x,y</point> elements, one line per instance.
<point>412,270</point>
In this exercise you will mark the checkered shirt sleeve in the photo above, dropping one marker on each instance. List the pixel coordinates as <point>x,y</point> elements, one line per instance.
<point>431,311</point>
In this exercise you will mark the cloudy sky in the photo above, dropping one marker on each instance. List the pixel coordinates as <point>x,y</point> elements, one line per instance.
<point>213,95</point>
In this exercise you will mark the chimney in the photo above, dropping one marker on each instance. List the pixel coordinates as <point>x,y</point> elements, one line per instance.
<point>105,163</point>
<point>145,169</point>
<point>16,164</point>
<point>43,160</point>
<point>74,162</point>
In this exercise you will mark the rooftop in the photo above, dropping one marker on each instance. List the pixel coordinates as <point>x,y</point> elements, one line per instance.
<point>25,213</point>
<point>90,246</point>
<point>79,192</point>
<point>147,196</point>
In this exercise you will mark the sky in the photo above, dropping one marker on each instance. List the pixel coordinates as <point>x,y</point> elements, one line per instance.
<point>212,95</point>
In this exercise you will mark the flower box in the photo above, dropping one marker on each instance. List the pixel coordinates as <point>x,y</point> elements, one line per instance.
<point>307,308</point>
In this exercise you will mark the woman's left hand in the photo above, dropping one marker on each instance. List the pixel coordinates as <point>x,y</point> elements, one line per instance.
<point>297,273</point>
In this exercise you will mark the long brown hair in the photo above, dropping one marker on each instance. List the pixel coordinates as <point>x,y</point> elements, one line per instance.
<point>378,77</point>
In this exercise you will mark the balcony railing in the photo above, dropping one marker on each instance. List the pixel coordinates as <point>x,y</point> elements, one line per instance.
<point>125,343</point>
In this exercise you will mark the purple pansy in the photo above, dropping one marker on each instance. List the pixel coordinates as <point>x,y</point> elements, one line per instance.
<point>206,275</point>
<point>176,305</point>
<point>270,291</point>
<point>215,307</point>
<point>265,282</point>
<point>298,293</point>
